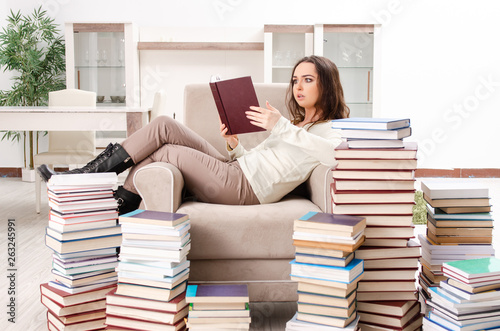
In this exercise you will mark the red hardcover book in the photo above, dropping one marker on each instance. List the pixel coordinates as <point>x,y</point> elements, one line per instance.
<point>392,308</point>
<point>60,310</point>
<point>233,97</point>
<point>113,321</point>
<point>176,304</point>
<point>92,324</point>
<point>393,322</point>
<point>409,151</point>
<point>376,164</point>
<point>367,196</point>
<point>66,299</point>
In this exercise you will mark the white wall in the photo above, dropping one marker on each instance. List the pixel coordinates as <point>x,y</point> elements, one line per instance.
<point>439,59</point>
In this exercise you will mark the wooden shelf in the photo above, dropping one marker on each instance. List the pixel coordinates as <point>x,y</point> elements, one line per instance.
<point>201,46</point>
<point>289,28</point>
<point>98,27</point>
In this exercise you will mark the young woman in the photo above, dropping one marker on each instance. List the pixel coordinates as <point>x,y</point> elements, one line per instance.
<point>263,174</point>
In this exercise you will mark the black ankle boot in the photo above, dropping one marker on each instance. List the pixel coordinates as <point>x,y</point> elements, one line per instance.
<point>113,159</point>
<point>127,201</point>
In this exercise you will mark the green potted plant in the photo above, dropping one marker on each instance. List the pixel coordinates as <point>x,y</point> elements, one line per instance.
<point>31,48</point>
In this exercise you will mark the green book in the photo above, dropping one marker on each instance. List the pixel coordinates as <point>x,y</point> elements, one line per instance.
<point>474,268</point>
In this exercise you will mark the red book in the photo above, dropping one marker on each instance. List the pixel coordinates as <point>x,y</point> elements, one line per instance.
<point>174,305</point>
<point>67,299</point>
<point>411,321</point>
<point>409,151</point>
<point>233,97</point>
<point>392,308</point>
<point>123,322</point>
<point>358,196</point>
<point>60,310</point>
<point>95,321</point>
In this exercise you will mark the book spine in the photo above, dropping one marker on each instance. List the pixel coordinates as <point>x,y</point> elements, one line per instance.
<point>220,107</point>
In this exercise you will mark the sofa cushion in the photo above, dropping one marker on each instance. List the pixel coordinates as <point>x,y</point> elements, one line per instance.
<point>244,232</point>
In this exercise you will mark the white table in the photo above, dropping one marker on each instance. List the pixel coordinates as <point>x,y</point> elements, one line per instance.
<point>72,119</point>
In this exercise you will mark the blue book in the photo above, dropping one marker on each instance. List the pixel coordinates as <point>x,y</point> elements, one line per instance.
<point>345,274</point>
<point>371,123</point>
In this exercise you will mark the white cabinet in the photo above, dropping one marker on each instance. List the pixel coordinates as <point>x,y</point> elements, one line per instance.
<point>283,46</point>
<point>350,47</point>
<point>103,57</point>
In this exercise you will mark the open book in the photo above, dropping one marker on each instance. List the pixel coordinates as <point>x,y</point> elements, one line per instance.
<point>233,97</point>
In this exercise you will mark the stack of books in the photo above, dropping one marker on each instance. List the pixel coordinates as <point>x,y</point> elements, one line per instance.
<point>218,307</point>
<point>152,272</point>
<point>84,235</point>
<point>326,271</point>
<point>375,179</point>
<point>469,299</point>
<point>459,227</point>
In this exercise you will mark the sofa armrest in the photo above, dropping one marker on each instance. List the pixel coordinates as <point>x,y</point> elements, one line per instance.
<point>318,185</point>
<point>160,186</point>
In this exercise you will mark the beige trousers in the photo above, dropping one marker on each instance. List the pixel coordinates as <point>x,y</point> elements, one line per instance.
<point>208,175</point>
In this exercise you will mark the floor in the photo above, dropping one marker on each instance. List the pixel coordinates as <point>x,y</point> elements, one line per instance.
<point>33,259</point>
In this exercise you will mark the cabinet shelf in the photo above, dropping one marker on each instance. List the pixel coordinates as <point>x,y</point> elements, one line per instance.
<point>201,46</point>
<point>354,67</point>
<point>100,67</point>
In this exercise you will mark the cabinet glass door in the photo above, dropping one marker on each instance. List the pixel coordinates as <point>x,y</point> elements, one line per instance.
<point>352,52</point>
<point>100,65</point>
<point>288,48</point>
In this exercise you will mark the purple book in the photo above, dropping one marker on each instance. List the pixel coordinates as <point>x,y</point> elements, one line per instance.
<point>329,221</point>
<point>217,293</point>
<point>153,217</point>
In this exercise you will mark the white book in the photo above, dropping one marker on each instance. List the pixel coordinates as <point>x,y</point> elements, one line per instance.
<point>84,288</point>
<point>472,297</point>
<point>92,252</point>
<point>370,123</point>
<point>157,243</point>
<point>155,263</point>
<point>101,178</point>
<point>298,235</point>
<point>155,272</point>
<point>137,275</point>
<point>156,229</point>
<point>452,188</point>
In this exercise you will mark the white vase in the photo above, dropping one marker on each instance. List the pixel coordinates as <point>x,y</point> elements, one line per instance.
<point>28,175</point>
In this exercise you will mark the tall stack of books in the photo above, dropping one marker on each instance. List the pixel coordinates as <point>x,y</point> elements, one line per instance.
<point>152,272</point>
<point>469,299</point>
<point>84,235</point>
<point>375,179</point>
<point>326,271</point>
<point>459,227</point>
<point>218,307</point>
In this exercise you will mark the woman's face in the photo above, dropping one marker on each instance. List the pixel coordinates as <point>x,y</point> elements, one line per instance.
<point>305,85</point>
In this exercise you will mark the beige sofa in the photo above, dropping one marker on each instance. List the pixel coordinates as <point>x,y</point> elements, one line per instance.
<point>244,244</point>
